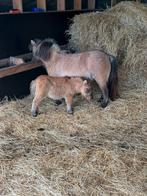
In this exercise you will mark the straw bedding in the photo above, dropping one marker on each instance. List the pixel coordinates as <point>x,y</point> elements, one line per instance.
<point>94,152</point>
<point>120,31</point>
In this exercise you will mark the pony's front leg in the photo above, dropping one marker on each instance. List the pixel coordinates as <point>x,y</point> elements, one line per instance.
<point>68,100</point>
<point>105,97</point>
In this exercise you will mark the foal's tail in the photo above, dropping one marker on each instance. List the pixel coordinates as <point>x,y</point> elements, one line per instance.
<point>33,88</point>
<point>113,79</point>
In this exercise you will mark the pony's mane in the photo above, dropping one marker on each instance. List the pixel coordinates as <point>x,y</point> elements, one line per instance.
<point>45,47</point>
<point>52,44</point>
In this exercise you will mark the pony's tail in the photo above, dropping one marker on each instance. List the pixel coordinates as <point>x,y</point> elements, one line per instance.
<point>33,88</point>
<point>113,79</point>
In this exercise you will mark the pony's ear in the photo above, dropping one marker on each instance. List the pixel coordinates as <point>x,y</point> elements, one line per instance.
<point>33,43</point>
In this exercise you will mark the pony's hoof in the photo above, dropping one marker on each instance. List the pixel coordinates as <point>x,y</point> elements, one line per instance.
<point>104,104</point>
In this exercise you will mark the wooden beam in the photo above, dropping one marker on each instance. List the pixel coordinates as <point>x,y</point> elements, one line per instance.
<point>17,4</point>
<point>60,4</point>
<point>41,4</point>
<point>18,69</point>
<point>6,61</point>
<point>77,4</point>
<point>91,4</point>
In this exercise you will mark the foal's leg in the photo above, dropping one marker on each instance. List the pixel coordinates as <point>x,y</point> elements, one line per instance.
<point>68,100</point>
<point>35,104</point>
<point>39,96</point>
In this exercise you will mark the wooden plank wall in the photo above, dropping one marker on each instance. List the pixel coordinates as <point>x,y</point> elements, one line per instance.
<point>18,4</point>
<point>91,4</point>
<point>77,4</point>
<point>41,4</point>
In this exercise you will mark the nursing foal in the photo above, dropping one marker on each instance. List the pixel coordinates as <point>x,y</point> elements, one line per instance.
<point>57,88</point>
<point>95,65</point>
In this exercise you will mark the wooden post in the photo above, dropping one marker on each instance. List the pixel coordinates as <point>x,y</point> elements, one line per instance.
<point>77,4</point>
<point>17,4</point>
<point>60,4</point>
<point>41,4</point>
<point>91,4</point>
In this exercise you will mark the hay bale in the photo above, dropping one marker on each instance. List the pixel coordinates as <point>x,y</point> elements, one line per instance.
<point>131,13</point>
<point>135,63</point>
<point>87,30</point>
<point>120,31</point>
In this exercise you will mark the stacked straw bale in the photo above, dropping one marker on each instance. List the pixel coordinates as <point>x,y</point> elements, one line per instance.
<point>120,31</point>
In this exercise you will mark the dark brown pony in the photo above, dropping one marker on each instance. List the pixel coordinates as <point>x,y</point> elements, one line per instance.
<point>95,65</point>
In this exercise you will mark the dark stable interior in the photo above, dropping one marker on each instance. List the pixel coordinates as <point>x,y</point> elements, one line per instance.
<point>16,31</point>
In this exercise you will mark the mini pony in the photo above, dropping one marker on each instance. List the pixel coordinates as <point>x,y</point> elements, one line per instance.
<point>95,65</point>
<point>57,88</point>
